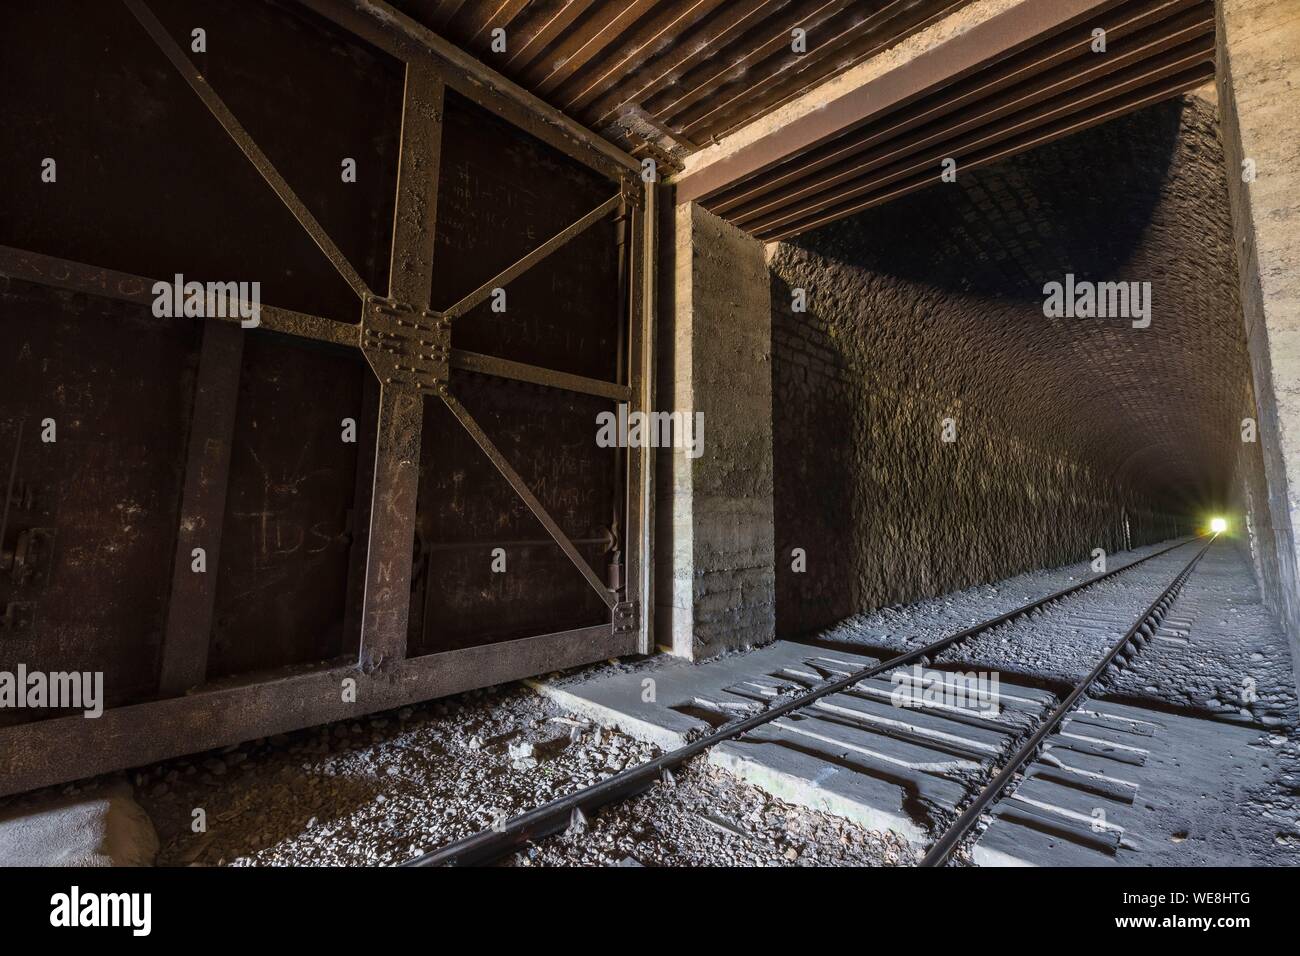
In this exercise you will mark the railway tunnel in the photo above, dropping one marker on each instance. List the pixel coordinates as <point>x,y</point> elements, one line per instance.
<point>572,432</point>
<point>1061,430</point>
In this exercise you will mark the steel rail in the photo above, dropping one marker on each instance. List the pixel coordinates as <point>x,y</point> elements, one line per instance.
<point>489,845</point>
<point>952,837</point>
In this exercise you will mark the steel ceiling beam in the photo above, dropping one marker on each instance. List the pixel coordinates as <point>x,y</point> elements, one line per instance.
<point>716,108</point>
<point>656,32</point>
<point>586,42</point>
<point>795,79</point>
<point>488,17</point>
<point>710,65</point>
<point>974,92</point>
<point>545,33</point>
<point>1112,108</point>
<point>986,42</point>
<point>670,104</point>
<point>1076,89</point>
<point>684,55</point>
<point>444,12</point>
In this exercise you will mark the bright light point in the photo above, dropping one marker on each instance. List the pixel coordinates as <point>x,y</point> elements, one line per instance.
<point>1218,525</point>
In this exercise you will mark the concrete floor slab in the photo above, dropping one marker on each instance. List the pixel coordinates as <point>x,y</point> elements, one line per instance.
<point>858,754</point>
<point>1126,786</point>
<point>1118,784</point>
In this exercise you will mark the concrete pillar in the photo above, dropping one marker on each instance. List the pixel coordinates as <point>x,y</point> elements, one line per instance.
<point>715,583</point>
<point>1259,87</point>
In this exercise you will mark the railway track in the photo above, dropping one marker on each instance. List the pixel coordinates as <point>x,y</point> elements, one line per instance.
<point>490,845</point>
<point>1141,631</point>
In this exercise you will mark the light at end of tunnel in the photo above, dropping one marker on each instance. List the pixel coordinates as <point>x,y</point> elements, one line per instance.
<point>1218,525</point>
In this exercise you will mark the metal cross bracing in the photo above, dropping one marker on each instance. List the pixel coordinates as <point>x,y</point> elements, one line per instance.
<point>407,343</point>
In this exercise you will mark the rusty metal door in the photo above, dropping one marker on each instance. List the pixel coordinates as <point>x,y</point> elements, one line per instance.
<point>393,504</point>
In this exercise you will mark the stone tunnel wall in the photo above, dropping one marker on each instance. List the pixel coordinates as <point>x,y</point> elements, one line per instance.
<point>887,512</point>
<point>1071,434</point>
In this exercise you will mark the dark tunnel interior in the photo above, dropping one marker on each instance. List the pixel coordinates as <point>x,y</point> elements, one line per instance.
<point>649,433</point>
<point>1076,432</point>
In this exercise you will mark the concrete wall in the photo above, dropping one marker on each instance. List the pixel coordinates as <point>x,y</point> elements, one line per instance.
<point>1259,86</point>
<point>931,308</point>
<point>715,511</point>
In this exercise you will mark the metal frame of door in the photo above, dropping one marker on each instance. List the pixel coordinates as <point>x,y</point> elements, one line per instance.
<point>407,344</point>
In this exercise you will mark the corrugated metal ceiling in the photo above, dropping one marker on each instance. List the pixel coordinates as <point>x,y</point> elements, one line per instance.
<point>672,75</point>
